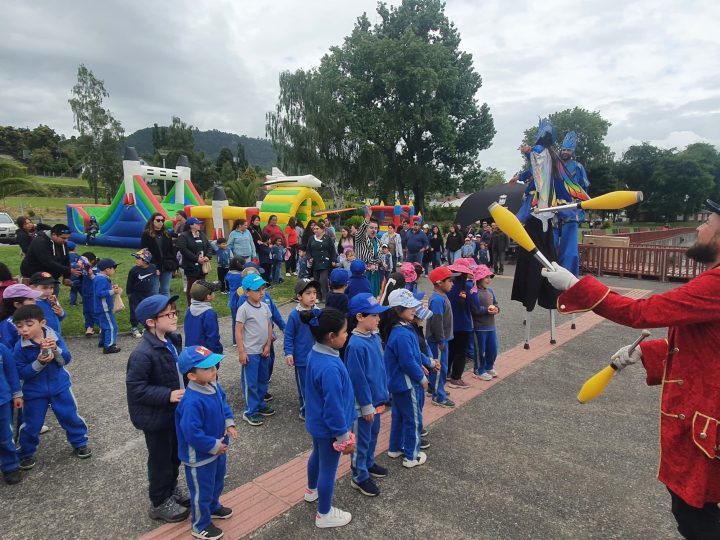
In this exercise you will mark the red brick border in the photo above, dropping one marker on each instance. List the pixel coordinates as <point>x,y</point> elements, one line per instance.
<point>273,493</point>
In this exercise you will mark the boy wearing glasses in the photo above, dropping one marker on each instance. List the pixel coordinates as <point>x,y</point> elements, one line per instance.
<point>154,388</point>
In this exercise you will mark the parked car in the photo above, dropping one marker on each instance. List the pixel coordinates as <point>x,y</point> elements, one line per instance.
<point>8,229</point>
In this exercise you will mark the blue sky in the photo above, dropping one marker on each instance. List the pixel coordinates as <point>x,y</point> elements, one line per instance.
<point>649,67</point>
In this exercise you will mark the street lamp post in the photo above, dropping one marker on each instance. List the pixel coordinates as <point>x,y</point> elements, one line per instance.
<point>163,154</point>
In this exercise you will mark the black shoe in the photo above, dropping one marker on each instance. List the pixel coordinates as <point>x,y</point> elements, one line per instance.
<point>366,487</point>
<point>222,513</point>
<point>424,433</point>
<point>27,463</point>
<point>268,397</point>
<point>83,452</point>
<point>112,349</point>
<point>182,498</point>
<point>211,532</point>
<point>424,443</point>
<point>377,471</point>
<point>169,511</point>
<point>12,477</point>
<point>267,411</point>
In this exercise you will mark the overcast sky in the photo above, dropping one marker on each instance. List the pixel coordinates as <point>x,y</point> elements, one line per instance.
<point>652,68</point>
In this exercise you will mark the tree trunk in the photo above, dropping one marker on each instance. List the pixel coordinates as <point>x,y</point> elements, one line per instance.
<point>419,195</point>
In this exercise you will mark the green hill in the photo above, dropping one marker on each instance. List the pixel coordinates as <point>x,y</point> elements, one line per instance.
<point>257,151</point>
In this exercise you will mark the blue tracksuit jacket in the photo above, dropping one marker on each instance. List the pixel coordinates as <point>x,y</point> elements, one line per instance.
<point>403,359</point>
<point>9,381</point>
<point>358,284</point>
<point>53,321</point>
<point>8,333</point>
<point>329,397</point>
<point>42,381</point>
<point>201,418</point>
<point>201,327</point>
<point>365,365</point>
<point>462,316</point>
<point>298,340</point>
<point>103,294</point>
<point>233,279</point>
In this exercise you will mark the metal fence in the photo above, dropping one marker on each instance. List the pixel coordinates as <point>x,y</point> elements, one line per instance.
<point>639,260</point>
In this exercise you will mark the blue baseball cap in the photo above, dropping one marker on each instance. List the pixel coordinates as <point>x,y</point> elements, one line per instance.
<point>104,264</point>
<point>71,244</point>
<point>339,276</point>
<point>256,266</point>
<point>365,303</point>
<point>193,221</point>
<point>152,305</point>
<point>253,282</point>
<point>197,357</point>
<point>357,267</point>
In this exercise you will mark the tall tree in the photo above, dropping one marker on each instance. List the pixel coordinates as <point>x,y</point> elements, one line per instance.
<point>226,156</point>
<point>683,183</point>
<point>98,128</point>
<point>242,161</point>
<point>245,190</point>
<point>635,170</point>
<point>393,109</point>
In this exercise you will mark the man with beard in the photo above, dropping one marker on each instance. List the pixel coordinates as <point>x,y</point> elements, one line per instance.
<point>686,364</point>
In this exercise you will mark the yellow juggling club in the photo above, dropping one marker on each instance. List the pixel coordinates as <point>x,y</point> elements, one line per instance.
<point>510,225</point>
<point>615,200</point>
<point>596,384</point>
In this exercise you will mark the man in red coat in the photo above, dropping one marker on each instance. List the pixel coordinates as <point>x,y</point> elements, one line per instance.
<point>686,364</point>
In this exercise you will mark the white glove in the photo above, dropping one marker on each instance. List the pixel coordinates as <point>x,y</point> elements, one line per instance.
<point>560,278</point>
<point>624,358</point>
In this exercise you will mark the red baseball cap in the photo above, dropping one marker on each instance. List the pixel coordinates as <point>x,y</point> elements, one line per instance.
<point>441,273</point>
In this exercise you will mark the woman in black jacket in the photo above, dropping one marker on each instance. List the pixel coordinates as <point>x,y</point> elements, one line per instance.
<point>25,233</point>
<point>158,242</point>
<point>255,230</point>
<point>196,250</point>
<point>454,243</point>
<point>437,246</point>
<point>321,249</point>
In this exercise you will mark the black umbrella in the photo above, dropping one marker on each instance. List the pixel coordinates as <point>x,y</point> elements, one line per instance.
<point>475,207</point>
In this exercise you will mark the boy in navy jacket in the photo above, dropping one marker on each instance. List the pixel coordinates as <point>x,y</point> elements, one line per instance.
<point>365,365</point>
<point>11,397</point>
<point>41,356</point>
<point>105,291</point>
<point>201,322</point>
<point>154,387</point>
<point>140,281</point>
<point>204,420</point>
<point>44,283</point>
<point>224,255</point>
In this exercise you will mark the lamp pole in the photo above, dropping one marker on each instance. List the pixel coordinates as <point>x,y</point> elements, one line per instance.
<point>163,154</point>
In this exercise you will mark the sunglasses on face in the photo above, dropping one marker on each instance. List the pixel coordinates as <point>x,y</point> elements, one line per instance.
<point>159,220</point>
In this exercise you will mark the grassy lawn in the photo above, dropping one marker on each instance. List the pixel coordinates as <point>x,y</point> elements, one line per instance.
<point>49,208</point>
<point>73,324</point>
<point>60,181</point>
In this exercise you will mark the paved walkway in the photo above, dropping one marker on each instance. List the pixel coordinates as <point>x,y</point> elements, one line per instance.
<point>519,459</point>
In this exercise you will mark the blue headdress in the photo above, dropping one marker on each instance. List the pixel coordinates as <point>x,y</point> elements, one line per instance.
<point>545,133</point>
<point>569,142</point>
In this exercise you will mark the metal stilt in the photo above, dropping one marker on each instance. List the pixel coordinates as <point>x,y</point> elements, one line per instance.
<point>572,321</point>
<point>552,327</point>
<point>526,322</point>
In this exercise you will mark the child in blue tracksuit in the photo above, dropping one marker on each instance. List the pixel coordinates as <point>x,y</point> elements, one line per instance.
<point>358,281</point>
<point>365,365</point>
<point>439,332</point>
<point>41,357</point>
<point>88,296</point>
<point>104,292</point>
<point>140,282</point>
<point>223,254</point>
<point>277,254</point>
<point>484,308</point>
<point>14,297</point>
<point>253,331</point>
<point>298,340</point>
<point>201,322</point>
<point>329,412</point>
<point>406,378</point>
<point>204,423</point>
<point>75,262</point>
<point>11,397</point>
<point>302,267</point>
<point>44,283</point>
<point>233,282</point>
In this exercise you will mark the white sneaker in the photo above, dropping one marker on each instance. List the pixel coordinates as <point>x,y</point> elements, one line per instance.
<point>311,495</point>
<point>492,372</point>
<point>409,464</point>
<point>44,429</point>
<point>334,518</point>
<point>394,455</point>
<point>287,274</point>
<point>485,377</point>
<point>136,333</point>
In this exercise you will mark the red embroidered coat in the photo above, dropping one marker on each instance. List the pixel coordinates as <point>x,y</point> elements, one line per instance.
<point>686,364</point>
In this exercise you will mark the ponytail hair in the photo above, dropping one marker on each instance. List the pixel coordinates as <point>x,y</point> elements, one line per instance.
<point>392,317</point>
<point>323,322</point>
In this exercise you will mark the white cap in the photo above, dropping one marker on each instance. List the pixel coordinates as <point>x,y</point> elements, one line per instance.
<point>403,298</point>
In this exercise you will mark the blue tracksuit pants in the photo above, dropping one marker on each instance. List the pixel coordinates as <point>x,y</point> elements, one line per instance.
<point>108,328</point>
<point>321,470</point>
<point>437,379</point>
<point>8,453</point>
<point>88,311</point>
<point>65,408</point>
<point>567,246</point>
<point>254,378</point>
<point>366,435</point>
<point>205,484</point>
<point>486,349</point>
<point>300,384</point>
<point>407,422</point>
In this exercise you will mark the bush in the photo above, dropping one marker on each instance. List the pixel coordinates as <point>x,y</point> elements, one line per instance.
<point>437,213</point>
<point>353,220</point>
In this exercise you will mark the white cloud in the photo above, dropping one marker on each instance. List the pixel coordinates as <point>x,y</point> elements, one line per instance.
<point>646,66</point>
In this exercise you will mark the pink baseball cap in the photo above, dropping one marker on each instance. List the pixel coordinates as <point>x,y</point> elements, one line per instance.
<point>19,290</point>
